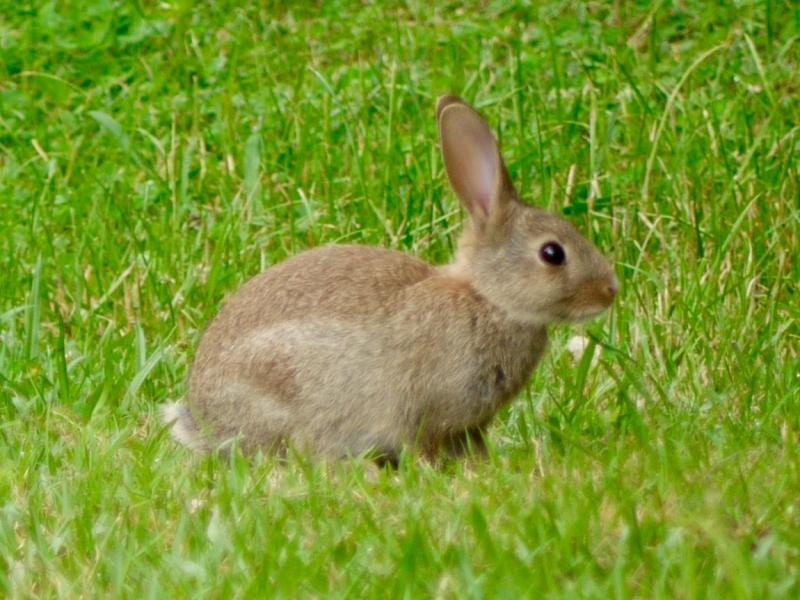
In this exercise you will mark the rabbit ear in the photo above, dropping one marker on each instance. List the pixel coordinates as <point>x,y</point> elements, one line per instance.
<point>472,159</point>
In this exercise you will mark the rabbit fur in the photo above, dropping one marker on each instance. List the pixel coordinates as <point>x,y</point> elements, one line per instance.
<point>349,349</point>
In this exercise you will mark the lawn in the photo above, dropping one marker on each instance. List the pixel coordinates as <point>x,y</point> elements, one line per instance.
<point>155,155</point>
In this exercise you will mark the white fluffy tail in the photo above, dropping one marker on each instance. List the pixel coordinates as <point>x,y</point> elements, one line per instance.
<point>184,428</point>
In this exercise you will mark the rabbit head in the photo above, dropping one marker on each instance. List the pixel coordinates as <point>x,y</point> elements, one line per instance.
<point>530,263</point>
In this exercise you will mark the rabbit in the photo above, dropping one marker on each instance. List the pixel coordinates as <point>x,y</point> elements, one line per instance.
<point>346,350</point>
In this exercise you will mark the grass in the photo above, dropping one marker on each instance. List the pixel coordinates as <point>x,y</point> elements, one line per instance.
<point>153,156</point>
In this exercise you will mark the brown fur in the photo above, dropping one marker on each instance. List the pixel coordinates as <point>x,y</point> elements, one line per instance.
<point>350,349</point>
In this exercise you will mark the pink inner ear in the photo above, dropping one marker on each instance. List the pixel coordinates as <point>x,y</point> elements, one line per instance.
<point>485,173</point>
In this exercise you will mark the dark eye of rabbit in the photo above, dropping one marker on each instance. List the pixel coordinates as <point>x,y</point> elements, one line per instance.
<point>553,254</point>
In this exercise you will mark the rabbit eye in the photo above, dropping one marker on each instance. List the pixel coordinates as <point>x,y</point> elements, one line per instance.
<point>553,254</point>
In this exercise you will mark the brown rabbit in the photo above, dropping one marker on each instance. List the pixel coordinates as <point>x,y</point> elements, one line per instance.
<point>352,349</point>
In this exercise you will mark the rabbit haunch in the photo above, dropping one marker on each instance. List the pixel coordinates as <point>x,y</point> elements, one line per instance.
<point>347,349</point>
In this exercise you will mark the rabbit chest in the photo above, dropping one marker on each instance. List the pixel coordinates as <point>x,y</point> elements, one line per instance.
<point>504,366</point>
<point>460,358</point>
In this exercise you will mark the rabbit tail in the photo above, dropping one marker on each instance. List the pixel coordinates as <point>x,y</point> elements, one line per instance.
<point>185,427</point>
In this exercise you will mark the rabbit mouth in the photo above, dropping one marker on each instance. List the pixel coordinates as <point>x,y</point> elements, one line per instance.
<point>578,310</point>
<point>584,314</point>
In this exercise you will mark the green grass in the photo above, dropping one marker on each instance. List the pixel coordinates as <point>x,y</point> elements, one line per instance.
<point>155,155</point>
